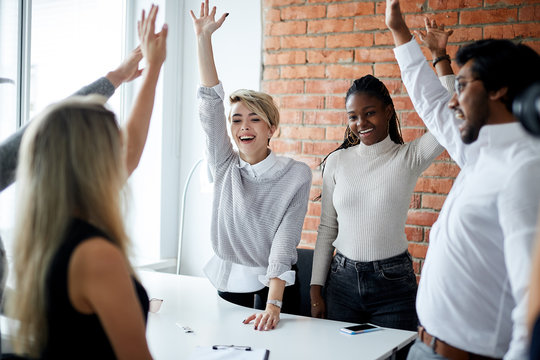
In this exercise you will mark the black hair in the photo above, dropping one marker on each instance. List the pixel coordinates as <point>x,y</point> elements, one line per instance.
<point>502,63</point>
<point>372,86</point>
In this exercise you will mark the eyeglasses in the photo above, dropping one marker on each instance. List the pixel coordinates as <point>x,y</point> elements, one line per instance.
<point>459,85</point>
<point>235,347</point>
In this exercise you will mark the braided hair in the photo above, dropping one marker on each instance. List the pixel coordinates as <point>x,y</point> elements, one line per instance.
<point>372,86</point>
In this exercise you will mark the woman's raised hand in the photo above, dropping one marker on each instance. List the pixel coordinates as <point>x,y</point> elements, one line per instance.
<point>153,46</point>
<point>206,23</point>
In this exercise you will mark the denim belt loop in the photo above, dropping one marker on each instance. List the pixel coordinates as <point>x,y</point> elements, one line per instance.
<point>376,266</point>
<point>341,260</point>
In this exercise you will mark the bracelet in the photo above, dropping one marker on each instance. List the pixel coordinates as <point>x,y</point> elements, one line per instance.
<point>275,302</point>
<point>441,58</point>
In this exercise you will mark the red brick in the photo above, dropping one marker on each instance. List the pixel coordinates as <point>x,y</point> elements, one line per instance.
<point>308,133</point>
<point>302,42</point>
<point>317,177</point>
<point>529,13</point>
<point>285,28</point>
<point>442,169</point>
<point>291,117</point>
<point>427,232</point>
<point>281,146</point>
<point>272,15</point>
<point>302,71</point>
<point>454,4</point>
<point>311,223</point>
<point>270,73</point>
<point>434,185</point>
<point>421,218</point>
<point>285,58</point>
<point>283,87</point>
<point>410,118</point>
<point>308,239</point>
<point>402,103</point>
<point>349,40</point>
<point>418,250</point>
<point>302,102</point>
<point>335,133</point>
<point>303,12</point>
<point>313,162</point>
<point>394,86</point>
<point>330,26</point>
<point>406,6</point>
<point>434,202</point>
<point>488,16</point>
<point>465,34</point>
<point>350,9</point>
<point>335,102</point>
<point>416,21</point>
<point>384,38</point>
<point>416,201</point>
<point>409,134</point>
<point>329,56</point>
<point>534,45</point>
<point>509,2</point>
<point>514,31</point>
<point>366,23</point>
<point>374,55</point>
<point>443,157</point>
<point>314,208</point>
<point>325,118</point>
<point>272,43</point>
<point>275,3</point>
<point>414,233</point>
<point>387,70</point>
<point>319,148</point>
<point>417,266</point>
<point>347,71</point>
<point>327,86</point>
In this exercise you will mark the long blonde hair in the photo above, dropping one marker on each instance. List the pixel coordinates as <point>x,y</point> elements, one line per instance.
<point>71,164</point>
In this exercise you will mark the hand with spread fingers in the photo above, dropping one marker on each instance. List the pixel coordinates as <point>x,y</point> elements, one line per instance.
<point>435,38</point>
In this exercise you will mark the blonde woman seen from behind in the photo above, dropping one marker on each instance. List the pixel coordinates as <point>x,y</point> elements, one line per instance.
<point>76,294</point>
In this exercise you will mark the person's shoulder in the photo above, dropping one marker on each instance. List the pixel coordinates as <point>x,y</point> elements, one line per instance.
<point>300,167</point>
<point>98,256</point>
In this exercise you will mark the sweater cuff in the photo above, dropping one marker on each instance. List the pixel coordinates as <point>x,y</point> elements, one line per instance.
<point>211,92</point>
<point>288,276</point>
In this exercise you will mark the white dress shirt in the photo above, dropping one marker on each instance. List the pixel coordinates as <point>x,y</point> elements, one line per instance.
<point>473,289</point>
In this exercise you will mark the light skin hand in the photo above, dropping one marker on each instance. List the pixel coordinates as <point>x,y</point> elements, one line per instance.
<point>395,22</point>
<point>318,306</point>
<point>435,38</point>
<point>153,46</point>
<point>206,24</point>
<point>269,318</point>
<point>128,70</point>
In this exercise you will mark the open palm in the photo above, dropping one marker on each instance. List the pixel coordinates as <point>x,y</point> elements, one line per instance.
<point>206,23</point>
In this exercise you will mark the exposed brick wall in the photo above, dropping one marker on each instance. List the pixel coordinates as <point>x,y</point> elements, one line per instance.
<point>313,49</point>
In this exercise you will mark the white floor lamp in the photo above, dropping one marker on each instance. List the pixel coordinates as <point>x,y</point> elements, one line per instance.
<point>182,213</point>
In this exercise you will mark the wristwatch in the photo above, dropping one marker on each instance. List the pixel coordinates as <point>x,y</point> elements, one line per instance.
<point>275,302</point>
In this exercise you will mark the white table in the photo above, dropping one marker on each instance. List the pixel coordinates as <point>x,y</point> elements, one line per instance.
<point>193,302</point>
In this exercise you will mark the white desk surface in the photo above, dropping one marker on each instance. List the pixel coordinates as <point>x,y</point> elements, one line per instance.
<point>193,302</point>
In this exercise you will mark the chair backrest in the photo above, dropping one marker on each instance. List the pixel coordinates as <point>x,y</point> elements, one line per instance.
<point>304,263</point>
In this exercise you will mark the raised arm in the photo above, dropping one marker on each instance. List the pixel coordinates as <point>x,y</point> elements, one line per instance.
<point>126,71</point>
<point>154,50</point>
<point>436,39</point>
<point>204,27</point>
<point>396,23</point>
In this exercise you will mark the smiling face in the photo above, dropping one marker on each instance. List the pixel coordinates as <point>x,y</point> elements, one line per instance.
<point>250,133</point>
<point>368,117</point>
<point>470,103</point>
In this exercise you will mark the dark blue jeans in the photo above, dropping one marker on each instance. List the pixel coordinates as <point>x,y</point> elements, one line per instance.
<point>381,292</point>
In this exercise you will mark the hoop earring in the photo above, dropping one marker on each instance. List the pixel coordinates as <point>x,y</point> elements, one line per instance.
<point>350,137</point>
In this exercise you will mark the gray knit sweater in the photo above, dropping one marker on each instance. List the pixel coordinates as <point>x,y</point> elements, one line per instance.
<point>255,222</point>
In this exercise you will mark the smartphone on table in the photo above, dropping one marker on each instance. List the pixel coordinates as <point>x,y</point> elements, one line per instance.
<point>359,329</point>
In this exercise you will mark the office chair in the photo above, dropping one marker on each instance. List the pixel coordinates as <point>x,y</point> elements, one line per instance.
<point>304,263</point>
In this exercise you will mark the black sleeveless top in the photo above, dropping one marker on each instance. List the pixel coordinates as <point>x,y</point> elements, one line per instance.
<point>71,334</point>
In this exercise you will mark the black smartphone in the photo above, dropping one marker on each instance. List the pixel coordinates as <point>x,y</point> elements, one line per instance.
<point>359,329</point>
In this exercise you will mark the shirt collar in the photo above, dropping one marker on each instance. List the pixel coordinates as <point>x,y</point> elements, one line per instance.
<point>258,169</point>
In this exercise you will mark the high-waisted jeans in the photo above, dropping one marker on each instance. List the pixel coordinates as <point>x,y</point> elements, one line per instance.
<point>381,292</point>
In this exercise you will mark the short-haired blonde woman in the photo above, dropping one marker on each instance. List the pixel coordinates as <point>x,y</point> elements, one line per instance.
<point>76,294</point>
<point>260,199</point>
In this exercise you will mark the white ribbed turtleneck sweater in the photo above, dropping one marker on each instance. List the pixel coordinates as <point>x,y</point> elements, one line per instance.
<point>365,198</point>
